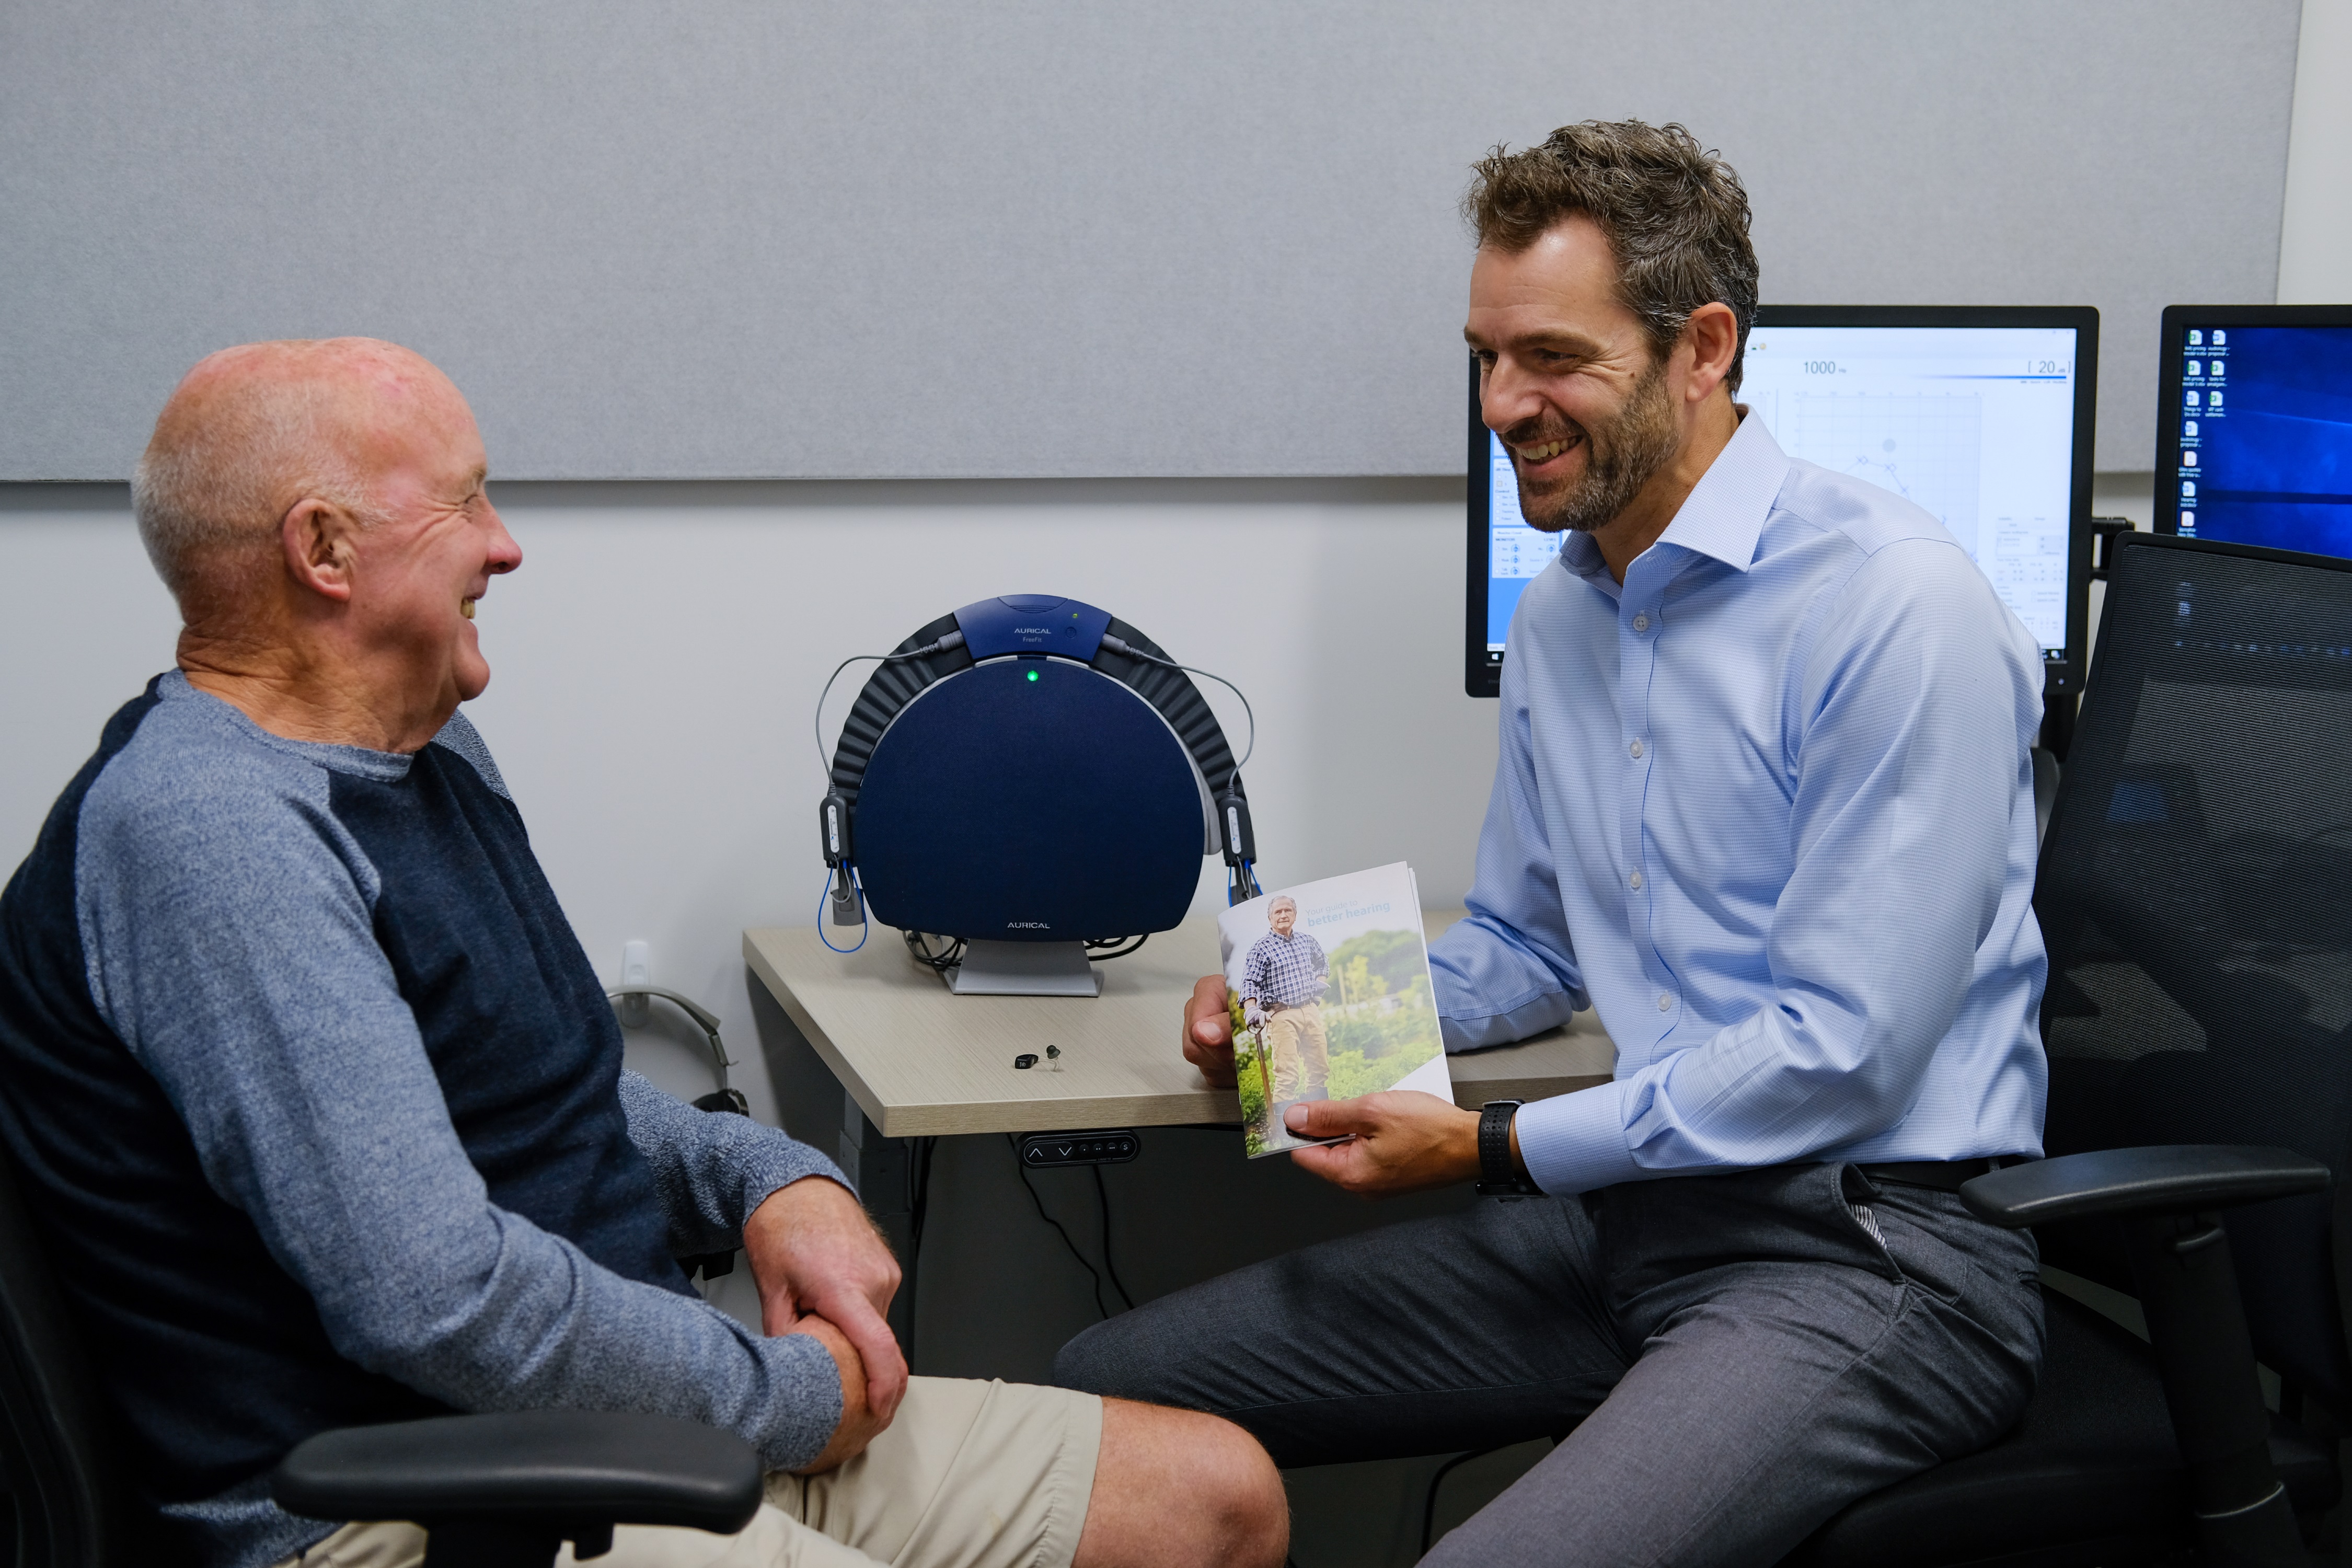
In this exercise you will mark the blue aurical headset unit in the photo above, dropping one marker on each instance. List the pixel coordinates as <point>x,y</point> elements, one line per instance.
<point>1036,782</point>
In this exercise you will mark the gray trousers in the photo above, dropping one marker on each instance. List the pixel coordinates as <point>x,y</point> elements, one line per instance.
<point>1732,1358</point>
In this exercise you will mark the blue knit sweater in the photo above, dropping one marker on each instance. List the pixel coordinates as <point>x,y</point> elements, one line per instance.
<point>321,1108</point>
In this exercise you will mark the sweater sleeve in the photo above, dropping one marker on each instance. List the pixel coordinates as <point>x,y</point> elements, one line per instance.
<point>231,948</point>
<point>712,1170</point>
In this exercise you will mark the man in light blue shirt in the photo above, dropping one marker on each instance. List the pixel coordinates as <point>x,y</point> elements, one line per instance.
<point>1764,801</point>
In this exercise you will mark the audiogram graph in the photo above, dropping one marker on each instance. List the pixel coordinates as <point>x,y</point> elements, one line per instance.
<point>1925,447</point>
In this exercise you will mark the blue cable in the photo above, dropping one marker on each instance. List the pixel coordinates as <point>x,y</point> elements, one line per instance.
<point>824,896</point>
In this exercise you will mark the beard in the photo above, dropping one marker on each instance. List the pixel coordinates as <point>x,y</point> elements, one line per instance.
<point>1621,456</point>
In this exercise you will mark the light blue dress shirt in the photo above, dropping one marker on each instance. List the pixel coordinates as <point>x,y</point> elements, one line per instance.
<point>1769,807</point>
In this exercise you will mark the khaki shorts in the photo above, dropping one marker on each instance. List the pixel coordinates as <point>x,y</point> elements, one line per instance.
<point>969,1475</point>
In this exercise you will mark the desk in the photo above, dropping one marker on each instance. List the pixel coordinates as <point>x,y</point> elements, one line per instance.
<point>921,1062</point>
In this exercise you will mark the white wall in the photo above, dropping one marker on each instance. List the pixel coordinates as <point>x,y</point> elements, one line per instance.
<point>656,659</point>
<point>2316,229</point>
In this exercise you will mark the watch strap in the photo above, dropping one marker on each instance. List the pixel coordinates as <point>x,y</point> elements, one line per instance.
<point>1496,1178</point>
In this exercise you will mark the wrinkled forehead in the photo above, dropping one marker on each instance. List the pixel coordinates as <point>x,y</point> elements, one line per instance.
<point>1290,904</point>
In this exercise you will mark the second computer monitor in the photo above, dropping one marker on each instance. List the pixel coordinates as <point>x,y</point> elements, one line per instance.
<point>2253,426</point>
<point>1980,416</point>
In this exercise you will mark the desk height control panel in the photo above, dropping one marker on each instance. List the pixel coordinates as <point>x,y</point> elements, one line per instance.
<point>1106,1146</point>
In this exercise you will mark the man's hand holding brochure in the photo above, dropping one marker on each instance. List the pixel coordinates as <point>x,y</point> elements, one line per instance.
<point>1325,1020</point>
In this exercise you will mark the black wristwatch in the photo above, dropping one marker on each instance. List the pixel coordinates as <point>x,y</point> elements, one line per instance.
<point>1496,1178</point>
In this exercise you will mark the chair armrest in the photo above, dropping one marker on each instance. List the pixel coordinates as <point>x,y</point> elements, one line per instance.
<point>577,1467</point>
<point>2176,1178</point>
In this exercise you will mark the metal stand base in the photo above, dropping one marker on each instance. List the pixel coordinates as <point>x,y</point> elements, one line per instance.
<point>1024,969</point>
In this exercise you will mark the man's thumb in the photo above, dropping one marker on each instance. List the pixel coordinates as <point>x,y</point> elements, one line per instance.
<point>1325,1119</point>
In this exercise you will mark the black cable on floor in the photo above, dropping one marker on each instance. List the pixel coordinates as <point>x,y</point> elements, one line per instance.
<point>1102,1197</point>
<point>1091,1272</point>
<point>1429,1508</point>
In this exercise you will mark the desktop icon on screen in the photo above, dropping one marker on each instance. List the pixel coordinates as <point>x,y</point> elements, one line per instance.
<point>2188,486</point>
<point>2196,337</point>
<point>2189,398</point>
<point>2189,457</point>
<point>2221,338</point>
<point>2195,368</point>
<point>2188,522</point>
<point>2213,400</point>
<point>2188,427</point>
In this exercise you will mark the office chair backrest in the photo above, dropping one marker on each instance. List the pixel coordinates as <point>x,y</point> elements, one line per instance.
<point>59,1461</point>
<point>2196,894</point>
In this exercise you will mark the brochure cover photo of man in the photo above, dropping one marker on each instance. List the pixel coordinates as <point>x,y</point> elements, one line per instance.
<point>1329,984</point>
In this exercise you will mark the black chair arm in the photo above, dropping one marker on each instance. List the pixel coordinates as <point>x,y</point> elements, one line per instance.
<point>557,1467</point>
<point>2165,1199</point>
<point>2178,1178</point>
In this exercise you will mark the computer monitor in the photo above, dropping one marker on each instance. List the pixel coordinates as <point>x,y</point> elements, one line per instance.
<point>1980,414</point>
<point>2254,426</point>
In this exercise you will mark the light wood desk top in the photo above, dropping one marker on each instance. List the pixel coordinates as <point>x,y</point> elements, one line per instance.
<point>921,1061</point>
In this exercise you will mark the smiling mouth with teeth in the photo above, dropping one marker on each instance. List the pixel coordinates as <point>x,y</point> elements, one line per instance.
<point>1546,452</point>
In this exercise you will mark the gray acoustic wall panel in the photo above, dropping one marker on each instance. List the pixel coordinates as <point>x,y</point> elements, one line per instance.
<point>758,238</point>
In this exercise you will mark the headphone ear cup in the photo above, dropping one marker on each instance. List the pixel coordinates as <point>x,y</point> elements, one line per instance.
<point>727,1101</point>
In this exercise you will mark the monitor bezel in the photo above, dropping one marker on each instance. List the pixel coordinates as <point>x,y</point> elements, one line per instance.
<point>2163,500</point>
<point>1482,673</point>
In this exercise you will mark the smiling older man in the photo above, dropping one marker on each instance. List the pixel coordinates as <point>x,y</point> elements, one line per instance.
<point>323,1109</point>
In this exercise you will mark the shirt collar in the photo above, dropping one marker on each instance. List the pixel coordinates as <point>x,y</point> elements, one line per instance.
<point>1723,517</point>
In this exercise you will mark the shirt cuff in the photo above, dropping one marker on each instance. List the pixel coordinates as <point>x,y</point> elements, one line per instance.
<point>1575,1142</point>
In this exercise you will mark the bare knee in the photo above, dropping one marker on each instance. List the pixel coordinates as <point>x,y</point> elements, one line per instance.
<point>1177,1486</point>
<point>1254,1514</point>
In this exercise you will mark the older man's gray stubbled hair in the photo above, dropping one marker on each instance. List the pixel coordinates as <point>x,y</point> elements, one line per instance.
<point>234,451</point>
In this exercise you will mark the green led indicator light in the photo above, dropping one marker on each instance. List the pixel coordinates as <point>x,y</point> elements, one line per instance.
<point>1033,675</point>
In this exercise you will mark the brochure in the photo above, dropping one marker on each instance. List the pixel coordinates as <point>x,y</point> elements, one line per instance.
<point>1328,987</point>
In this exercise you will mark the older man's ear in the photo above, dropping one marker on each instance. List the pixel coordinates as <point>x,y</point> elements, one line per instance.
<point>316,539</point>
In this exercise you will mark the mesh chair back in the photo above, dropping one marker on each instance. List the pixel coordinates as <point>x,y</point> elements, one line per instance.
<point>2196,895</point>
<point>60,1460</point>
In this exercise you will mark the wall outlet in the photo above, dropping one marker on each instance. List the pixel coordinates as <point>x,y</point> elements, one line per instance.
<point>637,969</point>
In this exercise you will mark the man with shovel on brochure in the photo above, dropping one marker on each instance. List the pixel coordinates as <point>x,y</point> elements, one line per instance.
<point>1284,976</point>
<point>1764,803</point>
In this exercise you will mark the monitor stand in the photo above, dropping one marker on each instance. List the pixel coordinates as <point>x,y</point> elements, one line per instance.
<point>1024,969</point>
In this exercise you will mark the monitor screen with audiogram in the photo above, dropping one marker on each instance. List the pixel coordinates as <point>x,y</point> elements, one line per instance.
<point>1981,415</point>
<point>2253,429</point>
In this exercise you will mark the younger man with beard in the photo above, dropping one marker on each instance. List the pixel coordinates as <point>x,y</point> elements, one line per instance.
<point>1764,801</point>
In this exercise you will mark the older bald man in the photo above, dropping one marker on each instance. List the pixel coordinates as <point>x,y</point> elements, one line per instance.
<point>322,1110</point>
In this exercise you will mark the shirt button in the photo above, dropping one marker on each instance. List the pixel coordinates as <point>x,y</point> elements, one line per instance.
<point>1636,749</point>
<point>1640,623</point>
<point>1634,881</point>
<point>1666,1003</point>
